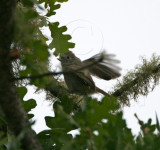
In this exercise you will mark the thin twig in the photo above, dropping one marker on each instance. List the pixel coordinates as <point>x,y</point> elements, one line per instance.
<point>58,73</point>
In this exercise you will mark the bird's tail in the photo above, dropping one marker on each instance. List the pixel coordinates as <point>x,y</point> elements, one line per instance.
<point>102,92</point>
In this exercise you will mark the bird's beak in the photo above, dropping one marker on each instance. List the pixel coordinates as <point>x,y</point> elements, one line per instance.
<point>59,59</point>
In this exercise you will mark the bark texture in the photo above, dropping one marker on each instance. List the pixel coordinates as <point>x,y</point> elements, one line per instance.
<point>9,101</point>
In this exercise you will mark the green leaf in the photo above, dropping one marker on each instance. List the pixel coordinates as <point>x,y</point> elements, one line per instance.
<point>29,15</point>
<point>40,50</point>
<point>21,92</point>
<point>29,104</point>
<point>96,111</point>
<point>60,41</point>
<point>157,123</point>
<point>61,120</point>
<point>30,116</point>
<point>55,137</point>
<point>53,7</point>
<point>53,1</point>
<point>149,121</point>
<point>66,103</point>
<point>27,3</point>
<point>46,140</point>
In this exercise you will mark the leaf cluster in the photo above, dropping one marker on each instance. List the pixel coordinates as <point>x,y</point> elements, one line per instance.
<point>100,125</point>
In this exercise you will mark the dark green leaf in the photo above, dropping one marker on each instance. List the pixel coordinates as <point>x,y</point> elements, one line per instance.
<point>27,3</point>
<point>21,92</point>
<point>157,123</point>
<point>61,120</point>
<point>66,103</point>
<point>60,41</point>
<point>29,104</point>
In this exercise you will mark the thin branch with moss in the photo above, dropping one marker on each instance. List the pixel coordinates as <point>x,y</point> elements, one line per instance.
<point>141,81</point>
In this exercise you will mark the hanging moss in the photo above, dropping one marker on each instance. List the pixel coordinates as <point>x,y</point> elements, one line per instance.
<point>141,81</point>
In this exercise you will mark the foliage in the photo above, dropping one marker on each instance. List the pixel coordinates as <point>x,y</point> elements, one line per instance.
<point>29,104</point>
<point>101,126</point>
<point>60,41</point>
<point>100,123</point>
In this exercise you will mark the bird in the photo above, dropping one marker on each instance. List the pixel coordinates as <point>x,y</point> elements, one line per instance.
<point>77,73</point>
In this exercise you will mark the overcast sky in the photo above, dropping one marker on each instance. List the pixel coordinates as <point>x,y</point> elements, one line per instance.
<point>127,28</point>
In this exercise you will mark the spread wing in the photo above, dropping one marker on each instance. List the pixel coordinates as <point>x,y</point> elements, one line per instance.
<point>107,69</point>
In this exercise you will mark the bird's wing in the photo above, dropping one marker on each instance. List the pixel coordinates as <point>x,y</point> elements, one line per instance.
<point>106,69</point>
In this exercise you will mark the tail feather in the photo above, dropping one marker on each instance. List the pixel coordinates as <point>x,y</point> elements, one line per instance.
<point>102,92</point>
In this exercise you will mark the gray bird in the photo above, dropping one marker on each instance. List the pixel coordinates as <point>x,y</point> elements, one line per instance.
<point>79,81</point>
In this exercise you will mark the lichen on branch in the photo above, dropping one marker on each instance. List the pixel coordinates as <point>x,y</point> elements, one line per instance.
<point>142,80</point>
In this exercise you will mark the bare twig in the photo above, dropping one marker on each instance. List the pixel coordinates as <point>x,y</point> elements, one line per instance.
<point>141,123</point>
<point>58,73</point>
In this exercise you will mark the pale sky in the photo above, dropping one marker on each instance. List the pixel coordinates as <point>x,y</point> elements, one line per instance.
<point>127,28</point>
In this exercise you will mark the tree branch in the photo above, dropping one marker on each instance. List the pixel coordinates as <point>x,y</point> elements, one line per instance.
<point>138,82</point>
<point>58,73</point>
